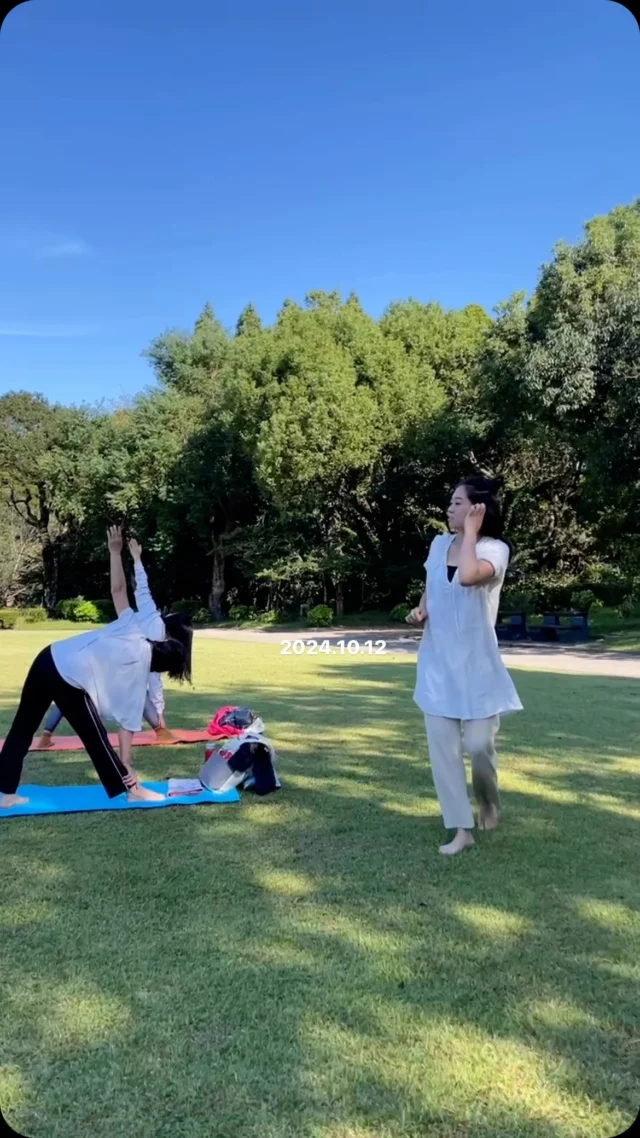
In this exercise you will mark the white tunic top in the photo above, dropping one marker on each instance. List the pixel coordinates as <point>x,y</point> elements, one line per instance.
<point>460,671</point>
<point>112,665</point>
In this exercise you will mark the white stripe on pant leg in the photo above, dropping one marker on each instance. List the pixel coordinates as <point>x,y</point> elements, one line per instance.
<point>444,737</point>
<point>104,739</point>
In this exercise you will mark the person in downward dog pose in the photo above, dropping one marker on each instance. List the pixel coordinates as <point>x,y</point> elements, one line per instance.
<point>462,686</point>
<point>98,675</point>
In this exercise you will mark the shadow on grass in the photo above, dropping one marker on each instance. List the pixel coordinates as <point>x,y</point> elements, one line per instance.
<point>308,965</point>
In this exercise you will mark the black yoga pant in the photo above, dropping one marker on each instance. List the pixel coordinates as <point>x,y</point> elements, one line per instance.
<point>43,686</point>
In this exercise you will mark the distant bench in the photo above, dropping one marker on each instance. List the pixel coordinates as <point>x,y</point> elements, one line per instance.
<point>512,626</point>
<point>564,626</point>
<point>556,626</point>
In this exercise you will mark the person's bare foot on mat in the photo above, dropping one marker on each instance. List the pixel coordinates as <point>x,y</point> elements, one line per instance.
<point>9,800</point>
<point>462,841</point>
<point>45,740</point>
<point>163,735</point>
<point>141,793</point>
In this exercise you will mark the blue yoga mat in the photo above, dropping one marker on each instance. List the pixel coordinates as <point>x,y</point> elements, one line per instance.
<point>81,799</point>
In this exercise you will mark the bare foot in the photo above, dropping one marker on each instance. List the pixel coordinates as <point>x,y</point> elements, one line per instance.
<point>45,741</point>
<point>488,818</point>
<point>462,841</point>
<point>141,793</point>
<point>9,800</point>
<point>163,735</point>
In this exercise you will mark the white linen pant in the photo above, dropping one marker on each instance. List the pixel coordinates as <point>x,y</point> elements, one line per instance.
<point>447,740</point>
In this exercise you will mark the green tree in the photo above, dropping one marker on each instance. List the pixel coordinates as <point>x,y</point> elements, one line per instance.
<point>190,364</point>
<point>47,463</point>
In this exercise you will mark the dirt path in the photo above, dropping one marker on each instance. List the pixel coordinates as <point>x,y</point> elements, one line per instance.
<point>542,657</point>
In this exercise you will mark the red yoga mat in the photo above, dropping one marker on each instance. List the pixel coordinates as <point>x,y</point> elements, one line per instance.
<point>142,739</point>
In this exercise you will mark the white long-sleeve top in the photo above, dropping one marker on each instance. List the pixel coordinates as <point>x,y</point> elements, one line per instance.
<point>112,665</point>
<point>153,627</point>
<point>156,692</point>
<point>147,614</point>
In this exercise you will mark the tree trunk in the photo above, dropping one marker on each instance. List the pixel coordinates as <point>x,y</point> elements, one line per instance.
<point>217,584</point>
<point>50,566</point>
<point>339,600</point>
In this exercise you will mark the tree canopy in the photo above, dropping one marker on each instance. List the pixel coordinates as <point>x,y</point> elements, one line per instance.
<point>312,459</point>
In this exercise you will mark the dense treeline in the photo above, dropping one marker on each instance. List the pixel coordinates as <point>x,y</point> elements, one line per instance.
<point>312,460</point>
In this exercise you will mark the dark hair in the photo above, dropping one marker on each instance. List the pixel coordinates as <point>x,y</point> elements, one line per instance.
<point>179,628</point>
<point>170,656</point>
<point>482,490</point>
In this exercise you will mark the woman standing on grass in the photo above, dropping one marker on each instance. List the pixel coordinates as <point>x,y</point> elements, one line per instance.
<point>101,674</point>
<point>462,685</point>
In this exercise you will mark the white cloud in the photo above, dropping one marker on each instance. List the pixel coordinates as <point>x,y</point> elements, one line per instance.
<point>71,248</point>
<point>44,331</point>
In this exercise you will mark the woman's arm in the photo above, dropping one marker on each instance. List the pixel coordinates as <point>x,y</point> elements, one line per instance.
<point>472,570</point>
<point>156,692</point>
<point>419,615</point>
<point>147,613</point>
<point>118,581</point>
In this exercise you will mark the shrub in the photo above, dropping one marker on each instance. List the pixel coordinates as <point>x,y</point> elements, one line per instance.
<point>86,612</point>
<point>8,618</point>
<point>202,616</point>
<point>64,609</point>
<point>320,617</point>
<point>607,583</point>
<point>80,611</point>
<point>415,589</point>
<point>33,615</point>
<point>401,611</point>
<point>516,599</point>
<point>106,610</point>
<point>270,617</point>
<point>242,612</point>
<point>583,600</point>
<point>548,592</point>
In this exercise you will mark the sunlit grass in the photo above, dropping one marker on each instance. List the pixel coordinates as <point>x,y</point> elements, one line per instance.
<point>308,966</point>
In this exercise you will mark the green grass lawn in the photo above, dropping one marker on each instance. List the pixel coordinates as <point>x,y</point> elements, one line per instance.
<point>309,966</point>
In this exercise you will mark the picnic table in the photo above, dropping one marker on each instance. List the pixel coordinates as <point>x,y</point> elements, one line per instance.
<point>564,626</point>
<point>512,626</point>
<point>556,626</point>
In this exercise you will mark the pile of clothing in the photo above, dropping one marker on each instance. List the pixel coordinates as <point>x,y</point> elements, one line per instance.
<point>241,755</point>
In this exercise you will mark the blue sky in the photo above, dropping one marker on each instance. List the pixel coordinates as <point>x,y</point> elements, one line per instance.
<point>159,155</point>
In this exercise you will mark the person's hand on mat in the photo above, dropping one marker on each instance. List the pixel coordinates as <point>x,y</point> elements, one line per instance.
<point>114,537</point>
<point>474,519</point>
<point>417,616</point>
<point>135,549</point>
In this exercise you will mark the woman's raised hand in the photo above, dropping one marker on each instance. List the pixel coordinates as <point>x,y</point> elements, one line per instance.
<point>114,538</point>
<point>474,519</point>
<point>135,549</point>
